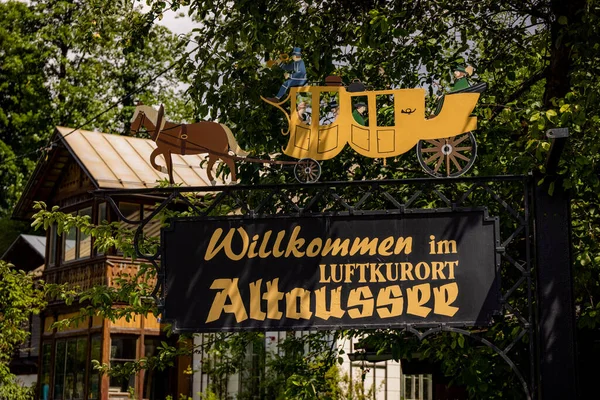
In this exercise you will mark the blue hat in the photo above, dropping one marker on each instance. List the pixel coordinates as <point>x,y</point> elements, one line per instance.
<point>333,104</point>
<point>296,51</point>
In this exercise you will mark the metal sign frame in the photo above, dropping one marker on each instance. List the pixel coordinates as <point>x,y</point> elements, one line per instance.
<point>475,237</point>
<point>507,197</point>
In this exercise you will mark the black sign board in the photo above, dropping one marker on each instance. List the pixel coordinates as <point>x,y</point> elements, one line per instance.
<point>327,272</point>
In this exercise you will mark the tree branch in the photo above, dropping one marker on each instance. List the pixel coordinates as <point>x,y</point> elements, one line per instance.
<point>525,86</point>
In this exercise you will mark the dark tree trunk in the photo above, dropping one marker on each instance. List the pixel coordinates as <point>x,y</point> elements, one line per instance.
<point>558,79</point>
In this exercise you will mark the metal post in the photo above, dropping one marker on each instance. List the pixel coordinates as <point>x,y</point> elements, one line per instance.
<point>557,367</point>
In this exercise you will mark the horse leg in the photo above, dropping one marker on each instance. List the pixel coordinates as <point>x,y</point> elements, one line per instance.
<point>231,164</point>
<point>211,162</point>
<point>167,155</point>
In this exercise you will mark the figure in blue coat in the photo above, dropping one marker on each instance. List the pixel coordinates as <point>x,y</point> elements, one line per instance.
<point>295,74</point>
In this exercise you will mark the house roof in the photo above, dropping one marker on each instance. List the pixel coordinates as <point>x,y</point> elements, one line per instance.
<point>123,162</point>
<point>110,161</point>
<point>27,252</point>
<point>38,243</point>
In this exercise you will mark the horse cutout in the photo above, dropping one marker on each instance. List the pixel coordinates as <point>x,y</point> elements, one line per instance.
<point>201,137</point>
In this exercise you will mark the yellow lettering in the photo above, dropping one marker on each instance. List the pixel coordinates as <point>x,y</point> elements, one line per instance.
<point>314,247</point>
<point>277,252</point>
<point>385,246</point>
<point>335,277</point>
<point>255,308</point>
<point>363,245</point>
<point>360,297</point>
<point>390,296</point>
<point>213,249</point>
<point>291,302</point>
<point>451,265</point>
<point>446,246</point>
<point>403,244</point>
<point>431,244</point>
<point>437,270</point>
<point>252,250</point>
<point>349,272</point>
<point>294,244</point>
<point>229,290</point>
<point>322,278</point>
<point>273,296</point>
<point>422,271</point>
<point>335,304</point>
<point>262,251</point>
<point>389,268</point>
<point>337,247</point>
<point>417,296</point>
<point>362,272</point>
<point>376,275</point>
<point>444,296</point>
<point>406,271</point>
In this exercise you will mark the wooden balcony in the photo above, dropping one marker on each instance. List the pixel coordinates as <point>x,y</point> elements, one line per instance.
<point>87,273</point>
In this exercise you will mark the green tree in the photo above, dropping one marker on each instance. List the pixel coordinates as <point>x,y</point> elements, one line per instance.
<point>20,297</point>
<point>539,57</point>
<point>66,61</point>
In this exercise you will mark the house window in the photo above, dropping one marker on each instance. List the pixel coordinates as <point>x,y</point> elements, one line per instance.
<point>77,244</point>
<point>130,211</point>
<point>52,246</point>
<point>69,248</point>
<point>122,350</point>
<point>417,387</point>
<point>94,376</point>
<point>102,215</point>
<point>69,368</point>
<point>152,228</point>
<point>84,240</point>
<point>136,212</point>
<point>45,371</point>
<point>156,384</point>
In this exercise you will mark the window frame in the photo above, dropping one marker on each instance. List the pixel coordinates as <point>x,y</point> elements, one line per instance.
<point>111,359</point>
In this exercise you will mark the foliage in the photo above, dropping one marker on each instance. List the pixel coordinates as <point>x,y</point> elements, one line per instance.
<point>11,229</point>
<point>67,61</point>
<point>20,298</point>
<point>539,57</point>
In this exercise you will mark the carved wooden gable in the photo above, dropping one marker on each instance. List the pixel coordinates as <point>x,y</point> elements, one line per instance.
<point>73,183</point>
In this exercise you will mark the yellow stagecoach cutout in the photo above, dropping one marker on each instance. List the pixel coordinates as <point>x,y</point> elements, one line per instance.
<point>445,139</point>
<point>446,146</point>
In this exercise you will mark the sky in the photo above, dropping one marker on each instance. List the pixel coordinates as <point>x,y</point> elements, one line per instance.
<point>172,20</point>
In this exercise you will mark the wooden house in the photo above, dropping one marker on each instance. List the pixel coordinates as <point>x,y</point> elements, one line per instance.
<point>79,163</point>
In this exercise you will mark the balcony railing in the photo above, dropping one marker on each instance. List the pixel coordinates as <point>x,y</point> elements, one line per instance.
<point>86,274</point>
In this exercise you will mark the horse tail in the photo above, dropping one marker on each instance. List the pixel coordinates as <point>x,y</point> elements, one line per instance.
<point>233,144</point>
